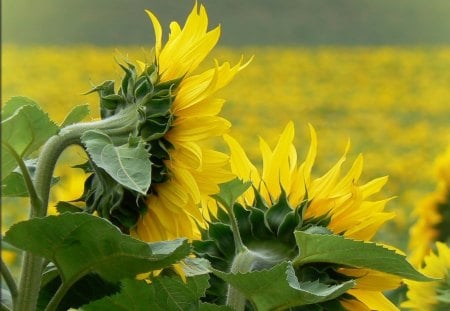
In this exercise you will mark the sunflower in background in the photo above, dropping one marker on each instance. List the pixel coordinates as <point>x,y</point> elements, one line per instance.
<point>431,296</point>
<point>433,212</point>
<point>338,203</point>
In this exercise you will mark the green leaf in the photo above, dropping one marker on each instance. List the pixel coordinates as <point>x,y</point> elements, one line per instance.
<point>14,184</point>
<point>63,207</point>
<point>129,166</point>
<point>77,114</point>
<point>213,307</point>
<point>329,248</point>
<point>164,293</point>
<point>14,103</point>
<point>27,129</point>
<point>80,243</point>
<point>279,287</point>
<point>231,191</point>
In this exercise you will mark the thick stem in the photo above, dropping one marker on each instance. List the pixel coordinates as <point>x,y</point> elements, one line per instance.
<point>9,279</point>
<point>124,122</point>
<point>242,263</point>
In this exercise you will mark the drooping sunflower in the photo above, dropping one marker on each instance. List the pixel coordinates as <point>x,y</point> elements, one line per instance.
<point>431,296</point>
<point>336,202</point>
<point>433,214</point>
<point>179,112</point>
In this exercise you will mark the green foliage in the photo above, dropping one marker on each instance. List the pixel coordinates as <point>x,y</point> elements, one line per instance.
<point>336,249</point>
<point>25,129</point>
<point>129,165</point>
<point>279,287</point>
<point>231,191</point>
<point>77,114</point>
<point>164,293</point>
<point>80,243</point>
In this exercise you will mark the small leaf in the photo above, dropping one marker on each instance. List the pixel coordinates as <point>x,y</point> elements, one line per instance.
<point>14,103</point>
<point>279,288</point>
<point>129,166</point>
<point>319,247</point>
<point>27,129</point>
<point>77,114</point>
<point>63,207</point>
<point>80,243</point>
<point>164,293</point>
<point>231,191</point>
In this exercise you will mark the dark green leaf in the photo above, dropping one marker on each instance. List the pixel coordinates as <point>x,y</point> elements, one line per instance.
<point>163,294</point>
<point>213,307</point>
<point>27,129</point>
<point>63,207</point>
<point>89,288</point>
<point>319,247</point>
<point>279,288</point>
<point>80,243</point>
<point>231,191</point>
<point>129,166</point>
<point>77,114</point>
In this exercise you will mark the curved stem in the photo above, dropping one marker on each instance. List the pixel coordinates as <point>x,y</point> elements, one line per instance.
<point>58,296</point>
<point>122,123</point>
<point>9,279</point>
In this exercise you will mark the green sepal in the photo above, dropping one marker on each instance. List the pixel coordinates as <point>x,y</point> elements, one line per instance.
<point>336,249</point>
<point>279,288</point>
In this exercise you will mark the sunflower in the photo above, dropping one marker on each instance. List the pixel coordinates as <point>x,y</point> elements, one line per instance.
<point>429,296</point>
<point>339,203</point>
<point>179,113</point>
<point>433,214</point>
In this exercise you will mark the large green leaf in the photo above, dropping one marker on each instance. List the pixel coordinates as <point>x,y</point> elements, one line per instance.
<point>279,287</point>
<point>77,114</point>
<point>231,191</point>
<point>330,248</point>
<point>80,243</point>
<point>164,293</point>
<point>27,129</point>
<point>128,165</point>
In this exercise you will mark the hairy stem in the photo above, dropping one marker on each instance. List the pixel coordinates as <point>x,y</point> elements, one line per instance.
<point>9,279</point>
<point>122,123</point>
<point>242,263</point>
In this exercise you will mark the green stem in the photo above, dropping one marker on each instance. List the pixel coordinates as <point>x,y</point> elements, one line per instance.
<point>242,263</point>
<point>4,307</point>
<point>58,296</point>
<point>10,282</point>
<point>122,123</point>
<point>240,246</point>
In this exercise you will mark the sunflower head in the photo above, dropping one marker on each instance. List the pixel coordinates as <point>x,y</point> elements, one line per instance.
<point>177,111</point>
<point>286,199</point>
<point>432,295</point>
<point>433,212</point>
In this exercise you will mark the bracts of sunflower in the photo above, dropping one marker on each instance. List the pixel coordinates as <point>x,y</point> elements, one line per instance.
<point>177,112</point>
<point>287,240</point>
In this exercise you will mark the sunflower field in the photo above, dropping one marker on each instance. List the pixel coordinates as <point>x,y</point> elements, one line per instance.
<point>252,178</point>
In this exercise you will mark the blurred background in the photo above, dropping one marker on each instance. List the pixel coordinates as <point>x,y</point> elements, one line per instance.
<point>377,72</point>
<point>248,22</point>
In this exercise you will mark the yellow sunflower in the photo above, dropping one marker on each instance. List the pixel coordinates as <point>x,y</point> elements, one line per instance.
<point>429,296</point>
<point>433,214</point>
<point>341,199</point>
<point>194,172</point>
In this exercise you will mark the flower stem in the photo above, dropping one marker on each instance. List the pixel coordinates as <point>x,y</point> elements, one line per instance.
<point>240,246</point>
<point>242,263</point>
<point>124,122</point>
<point>9,279</point>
